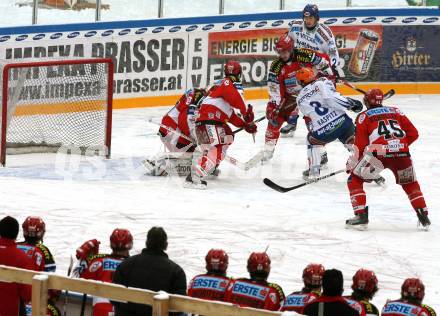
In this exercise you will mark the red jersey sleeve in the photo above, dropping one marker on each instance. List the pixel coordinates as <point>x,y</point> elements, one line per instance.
<point>236,120</point>
<point>182,122</point>
<point>230,94</point>
<point>410,130</point>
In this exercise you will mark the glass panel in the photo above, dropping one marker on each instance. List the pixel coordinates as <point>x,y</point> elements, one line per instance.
<point>379,3</point>
<point>322,4</point>
<point>251,6</point>
<point>61,14</point>
<point>180,8</point>
<point>122,10</point>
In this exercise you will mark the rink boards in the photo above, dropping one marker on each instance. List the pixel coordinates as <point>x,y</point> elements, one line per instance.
<point>157,60</point>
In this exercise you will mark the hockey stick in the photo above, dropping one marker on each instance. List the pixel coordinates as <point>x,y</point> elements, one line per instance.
<point>281,189</point>
<point>387,95</point>
<point>66,298</point>
<point>241,165</point>
<point>83,304</point>
<point>248,164</point>
<point>242,128</point>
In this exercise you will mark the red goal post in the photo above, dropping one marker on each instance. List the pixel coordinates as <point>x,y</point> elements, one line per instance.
<point>51,104</point>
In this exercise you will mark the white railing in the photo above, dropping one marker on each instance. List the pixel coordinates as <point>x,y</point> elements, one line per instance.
<point>160,303</point>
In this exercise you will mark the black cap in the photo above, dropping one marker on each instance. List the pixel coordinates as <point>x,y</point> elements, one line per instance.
<point>9,228</point>
<point>157,239</point>
<point>332,283</point>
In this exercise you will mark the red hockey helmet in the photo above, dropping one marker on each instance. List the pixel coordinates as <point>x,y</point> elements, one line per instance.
<point>285,43</point>
<point>305,75</point>
<point>373,98</point>
<point>312,275</point>
<point>121,239</point>
<point>33,226</point>
<point>258,262</point>
<point>233,69</point>
<point>365,281</point>
<point>413,288</point>
<point>217,260</point>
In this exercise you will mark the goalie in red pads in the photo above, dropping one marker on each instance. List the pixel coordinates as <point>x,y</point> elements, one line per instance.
<point>214,135</point>
<point>177,133</point>
<point>382,140</point>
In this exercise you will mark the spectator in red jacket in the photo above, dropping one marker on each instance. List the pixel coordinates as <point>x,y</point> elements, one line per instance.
<point>12,294</point>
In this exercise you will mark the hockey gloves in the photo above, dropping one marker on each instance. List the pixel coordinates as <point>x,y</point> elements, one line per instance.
<point>87,249</point>
<point>250,126</point>
<point>249,116</point>
<point>356,105</point>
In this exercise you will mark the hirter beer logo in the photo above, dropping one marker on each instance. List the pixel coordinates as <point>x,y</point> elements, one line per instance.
<point>411,56</point>
<point>411,44</point>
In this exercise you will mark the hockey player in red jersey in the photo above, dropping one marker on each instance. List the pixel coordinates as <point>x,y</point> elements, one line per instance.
<point>256,292</point>
<point>101,267</point>
<point>364,287</point>
<point>177,133</point>
<point>312,278</point>
<point>410,303</point>
<point>283,88</point>
<point>213,132</point>
<point>181,119</point>
<point>382,140</point>
<point>33,233</point>
<point>213,284</point>
<point>34,229</point>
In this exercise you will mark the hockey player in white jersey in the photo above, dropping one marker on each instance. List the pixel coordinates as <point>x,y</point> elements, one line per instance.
<point>325,112</point>
<point>309,33</point>
<point>314,35</point>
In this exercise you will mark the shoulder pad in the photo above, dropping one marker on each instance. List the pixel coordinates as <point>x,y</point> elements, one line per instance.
<point>361,117</point>
<point>46,252</point>
<point>98,256</point>
<point>53,311</point>
<point>295,28</point>
<point>276,66</point>
<point>326,29</point>
<point>370,308</point>
<point>429,309</point>
<point>304,55</point>
<point>279,290</point>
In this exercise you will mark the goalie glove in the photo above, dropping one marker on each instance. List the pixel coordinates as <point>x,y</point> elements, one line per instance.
<point>356,105</point>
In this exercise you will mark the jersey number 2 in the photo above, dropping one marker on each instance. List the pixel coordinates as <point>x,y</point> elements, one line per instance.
<point>388,131</point>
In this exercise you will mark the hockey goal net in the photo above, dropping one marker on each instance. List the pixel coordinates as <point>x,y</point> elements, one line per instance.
<point>56,104</point>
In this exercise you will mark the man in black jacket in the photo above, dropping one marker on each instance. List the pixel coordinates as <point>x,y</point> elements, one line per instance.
<point>331,303</point>
<point>150,270</point>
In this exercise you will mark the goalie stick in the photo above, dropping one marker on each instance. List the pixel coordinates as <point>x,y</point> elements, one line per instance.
<point>282,189</point>
<point>252,162</point>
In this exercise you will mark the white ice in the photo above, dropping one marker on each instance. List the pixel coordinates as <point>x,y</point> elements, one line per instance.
<point>238,212</point>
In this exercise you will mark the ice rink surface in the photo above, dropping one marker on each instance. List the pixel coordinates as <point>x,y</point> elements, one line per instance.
<point>87,199</point>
